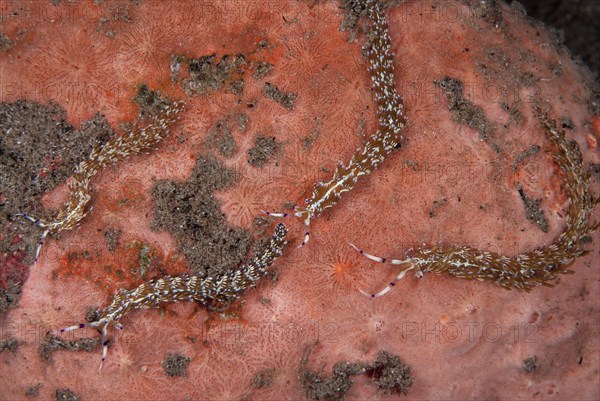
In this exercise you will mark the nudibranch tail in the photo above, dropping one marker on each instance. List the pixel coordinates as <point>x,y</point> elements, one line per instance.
<point>185,288</point>
<point>133,141</point>
<point>326,194</point>
<point>527,270</point>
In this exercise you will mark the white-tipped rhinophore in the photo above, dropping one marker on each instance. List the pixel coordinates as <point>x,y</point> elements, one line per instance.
<point>409,266</point>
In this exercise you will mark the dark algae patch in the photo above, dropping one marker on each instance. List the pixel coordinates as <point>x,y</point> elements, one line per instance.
<point>464,111</point>
<point>175,365</point>
<point>10,295</point>
<point>150,101</point>
<point>5,43</point>
<point>33,391</point>
<point>207,74</point>
<point>286,99</point>
<point>335,386</point>
<point>532,209</point>
<point>53,343</point>
<point>263,149</point>
<point>387,372</point>
<point>10,344</point>
<point>530,364</point>
<point>189,211</point>
<point>221,139</point>
<point>532,206</point>
<point>111,236</point>
<point>263,69</point>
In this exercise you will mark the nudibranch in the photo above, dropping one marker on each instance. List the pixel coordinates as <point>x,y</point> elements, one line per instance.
<point>142,137</point>
<point>326,194</point>
<point>526,270</point>
<point>221,289</point>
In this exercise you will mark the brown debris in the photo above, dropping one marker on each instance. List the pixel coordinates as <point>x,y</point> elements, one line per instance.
<point>387,372</point>
<point>335,387</point>
<point>175,365</point>
<point>263,69</point>
<point>33,391</point>
<point>530,364</point>
<point>264,147</point>
<point>532,209</point>
<point>532,206</point>
<point>5,43</point>
<point>66,394</point>
<point>464,111</point>
<point>220,137</point>
<point>53,343</point>
<point>192,214</point>
<point>209,75</point>
<point>10,344</point>
<point>111,236</point>
<point>286,99</point>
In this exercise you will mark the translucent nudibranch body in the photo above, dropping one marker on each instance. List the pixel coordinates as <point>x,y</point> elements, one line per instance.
<point>185,288</point>
<point>133,141</point>
<point>526,270</point>
<point>392,121</point>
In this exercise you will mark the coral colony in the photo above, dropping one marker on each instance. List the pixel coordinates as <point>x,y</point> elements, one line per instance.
<point>523,271</point>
